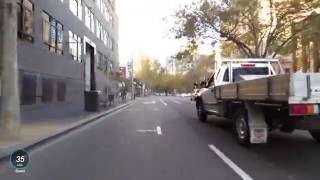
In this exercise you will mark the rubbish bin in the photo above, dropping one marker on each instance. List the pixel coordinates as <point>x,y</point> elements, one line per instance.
<point>91,101</point>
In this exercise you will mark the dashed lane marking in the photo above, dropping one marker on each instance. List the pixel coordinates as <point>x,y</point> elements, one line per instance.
<point>175,101</point>
<point>152,102</point>
<point>159,130</point>
<point>231,164</point>
<point>164,103</point>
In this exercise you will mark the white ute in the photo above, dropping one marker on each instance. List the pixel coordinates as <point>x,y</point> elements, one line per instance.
<point>259,97</point>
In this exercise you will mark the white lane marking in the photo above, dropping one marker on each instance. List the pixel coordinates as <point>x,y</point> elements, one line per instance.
<point>231,164</point>
<point>152,102</point>
<point>175,101</point>
<point>163,102</point>
<point>146,130</point>
<point>159,130</point>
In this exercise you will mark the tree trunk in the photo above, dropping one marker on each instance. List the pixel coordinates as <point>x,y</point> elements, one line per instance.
<point>304,58</point>
<point>294,55</point>
<point>10,103</point>
<point>316,55</point>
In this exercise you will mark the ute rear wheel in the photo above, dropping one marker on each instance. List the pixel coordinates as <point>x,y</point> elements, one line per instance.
<point>202,115</point>
<point>315,134</point>
<point>241,128</point>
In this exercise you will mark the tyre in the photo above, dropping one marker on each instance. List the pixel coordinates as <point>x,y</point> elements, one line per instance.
<point>315,134</point>
<point>202,115</point>
<point>241,128</point>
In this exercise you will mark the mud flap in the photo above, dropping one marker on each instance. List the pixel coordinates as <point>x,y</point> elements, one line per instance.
<point>257,124</point>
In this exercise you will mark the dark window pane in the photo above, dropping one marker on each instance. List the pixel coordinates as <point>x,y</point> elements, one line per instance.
<point>47,90</point>
<point>238,72</point>
<point>61,91</point>
<point>19,16</point>
<point>28,90</point>
<point>226,76</point>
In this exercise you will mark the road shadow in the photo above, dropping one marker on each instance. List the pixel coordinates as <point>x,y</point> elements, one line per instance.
<point>296,154</point>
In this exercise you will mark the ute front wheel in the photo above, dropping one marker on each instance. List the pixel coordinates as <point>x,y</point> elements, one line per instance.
<point>202,115</point>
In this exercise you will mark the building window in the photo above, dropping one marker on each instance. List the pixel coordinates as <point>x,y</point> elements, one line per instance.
<point>47,90</point>
<point>99,31</point>
<point>61,91</point>
<point>89,19</point>
<point>75,7</point>
<point>52,34</point>
<point>25,19</point>
<point>100,61</point>
<point>105,11</point>
<point>105,37</point>
<point>28,89</point>
<point>75,46</point>
<point>105,64</point>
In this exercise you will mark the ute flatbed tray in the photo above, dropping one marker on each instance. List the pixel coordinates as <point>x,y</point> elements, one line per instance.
<point>277,88</point>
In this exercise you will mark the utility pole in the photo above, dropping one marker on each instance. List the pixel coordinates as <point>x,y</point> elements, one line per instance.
<point>132,81</point>
<point>10,103</point>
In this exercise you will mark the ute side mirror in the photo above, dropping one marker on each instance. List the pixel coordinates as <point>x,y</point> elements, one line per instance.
<point>195,86</point>
<point>203,84</point>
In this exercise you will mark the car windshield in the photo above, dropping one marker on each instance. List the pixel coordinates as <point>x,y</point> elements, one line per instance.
<point>238,72</point>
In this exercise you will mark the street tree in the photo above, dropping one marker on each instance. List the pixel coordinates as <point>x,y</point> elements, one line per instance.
<point>256,28</point>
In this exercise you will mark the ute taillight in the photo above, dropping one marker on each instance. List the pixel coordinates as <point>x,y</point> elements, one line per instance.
<point>248,65</point>
<point>304,109</point>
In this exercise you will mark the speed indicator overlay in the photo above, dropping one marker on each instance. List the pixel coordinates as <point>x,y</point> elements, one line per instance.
<point>20,159</point>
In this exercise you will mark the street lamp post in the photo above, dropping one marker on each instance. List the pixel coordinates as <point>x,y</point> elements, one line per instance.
<point>132,81</point>
<point>130,69</point>
<point>10,103</point>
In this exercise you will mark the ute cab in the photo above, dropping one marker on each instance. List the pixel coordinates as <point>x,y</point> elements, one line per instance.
<point>238,70</point>
<point>232,71</point>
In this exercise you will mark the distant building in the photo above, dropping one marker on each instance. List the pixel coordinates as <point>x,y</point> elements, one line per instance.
<point>59,40</point>
<point>123,72</point>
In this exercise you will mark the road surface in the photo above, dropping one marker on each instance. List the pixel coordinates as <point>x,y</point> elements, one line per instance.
<point>160,138</point>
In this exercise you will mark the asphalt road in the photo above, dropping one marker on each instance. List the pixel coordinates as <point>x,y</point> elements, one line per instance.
<point>160,138</point>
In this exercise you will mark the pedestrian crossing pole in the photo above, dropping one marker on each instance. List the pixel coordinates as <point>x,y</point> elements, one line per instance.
<point>10,103</point>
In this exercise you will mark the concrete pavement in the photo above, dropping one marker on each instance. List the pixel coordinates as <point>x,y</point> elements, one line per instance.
<point>161,138</point>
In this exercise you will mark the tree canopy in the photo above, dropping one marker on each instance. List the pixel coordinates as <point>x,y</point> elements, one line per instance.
<point>256,28</point>
<point>156,77</point>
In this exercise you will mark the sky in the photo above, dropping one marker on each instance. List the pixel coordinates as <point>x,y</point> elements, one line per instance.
<point>142,30</point>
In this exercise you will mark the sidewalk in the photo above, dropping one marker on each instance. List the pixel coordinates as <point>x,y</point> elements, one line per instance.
<point>41,124</point>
